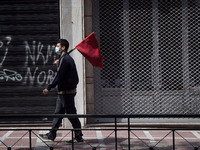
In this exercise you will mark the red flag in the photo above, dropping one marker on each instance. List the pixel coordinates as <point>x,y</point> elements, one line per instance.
<point>90,50</point>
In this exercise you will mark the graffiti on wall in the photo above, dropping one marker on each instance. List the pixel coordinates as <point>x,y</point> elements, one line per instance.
<point>36,69</point>
<point>10,75</point>
<point>4,48</point>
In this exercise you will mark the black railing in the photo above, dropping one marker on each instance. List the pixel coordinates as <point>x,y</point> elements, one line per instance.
<point>115,129</point>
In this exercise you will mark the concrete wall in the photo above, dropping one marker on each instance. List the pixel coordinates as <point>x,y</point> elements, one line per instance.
<point>89,67</point>
<point>72,29</point>
<point>76,24</point>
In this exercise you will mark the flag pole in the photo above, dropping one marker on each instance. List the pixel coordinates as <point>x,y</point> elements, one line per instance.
<point>71,50</point>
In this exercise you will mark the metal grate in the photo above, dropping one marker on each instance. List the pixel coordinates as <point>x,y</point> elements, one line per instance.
<point>28,32</point>
<point>151,56</point>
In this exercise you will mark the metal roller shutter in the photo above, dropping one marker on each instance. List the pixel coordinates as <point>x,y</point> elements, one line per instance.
<point>28,32</point>
<point>151,56</point>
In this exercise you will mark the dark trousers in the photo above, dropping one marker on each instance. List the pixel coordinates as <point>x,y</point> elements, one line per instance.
<point>65,104</point>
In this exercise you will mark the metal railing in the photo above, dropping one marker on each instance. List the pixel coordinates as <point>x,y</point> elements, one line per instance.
<point>115,129</point>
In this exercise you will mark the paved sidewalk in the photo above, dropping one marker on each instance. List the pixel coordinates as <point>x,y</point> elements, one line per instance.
<point>102,139</point>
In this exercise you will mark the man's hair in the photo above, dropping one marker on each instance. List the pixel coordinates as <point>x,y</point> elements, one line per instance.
<point>64,42</point>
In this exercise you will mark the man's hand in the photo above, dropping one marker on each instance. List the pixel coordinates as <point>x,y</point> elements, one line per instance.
<point>45,91</point>
<point>56,62</point>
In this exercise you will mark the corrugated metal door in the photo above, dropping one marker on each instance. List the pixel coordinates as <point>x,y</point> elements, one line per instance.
<point>28,34</point>
<point>151,56</point>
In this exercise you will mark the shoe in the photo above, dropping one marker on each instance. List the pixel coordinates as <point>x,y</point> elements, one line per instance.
<point>76,140</point>
<point>47,136</point>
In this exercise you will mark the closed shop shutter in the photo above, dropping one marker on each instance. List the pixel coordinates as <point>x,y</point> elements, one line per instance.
<point>28,34</point>
<point>151,57</point>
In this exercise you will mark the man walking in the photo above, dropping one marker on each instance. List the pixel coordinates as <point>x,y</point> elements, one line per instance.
<point>66,81</point>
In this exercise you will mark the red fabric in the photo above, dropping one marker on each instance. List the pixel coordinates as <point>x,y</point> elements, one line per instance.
<point>90,50</point>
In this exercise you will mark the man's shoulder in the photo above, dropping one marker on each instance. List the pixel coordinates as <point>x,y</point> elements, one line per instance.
<point>68,58</point>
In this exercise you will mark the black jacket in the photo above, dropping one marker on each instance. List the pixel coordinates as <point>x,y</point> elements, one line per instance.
<point>67,76</point>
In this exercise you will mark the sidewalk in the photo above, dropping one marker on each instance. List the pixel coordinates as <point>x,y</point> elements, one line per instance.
<point>140,139</point>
